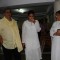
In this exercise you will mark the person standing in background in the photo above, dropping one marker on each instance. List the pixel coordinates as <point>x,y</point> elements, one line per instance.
<point>30,39</point>
<point>55,37</point>
<point>10,37</point>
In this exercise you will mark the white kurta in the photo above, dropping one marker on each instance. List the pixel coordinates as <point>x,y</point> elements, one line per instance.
<point>30,38</point>
<point>55,51</point>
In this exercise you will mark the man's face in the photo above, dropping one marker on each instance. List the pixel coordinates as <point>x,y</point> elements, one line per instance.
<point>7,14</point>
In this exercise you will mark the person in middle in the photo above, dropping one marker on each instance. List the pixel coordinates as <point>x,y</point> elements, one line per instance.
<point>30,38</point>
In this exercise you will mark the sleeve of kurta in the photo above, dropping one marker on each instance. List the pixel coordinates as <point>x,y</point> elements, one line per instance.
<point>38,26</point>
<point>0,27</point>
<point>23,33</point>
<point>53,29</point>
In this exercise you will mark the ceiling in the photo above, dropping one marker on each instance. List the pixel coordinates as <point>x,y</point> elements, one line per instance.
<point>41,9</point>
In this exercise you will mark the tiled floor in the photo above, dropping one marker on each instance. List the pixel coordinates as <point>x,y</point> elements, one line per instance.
<point>46,53</point>
<point>45,56</point>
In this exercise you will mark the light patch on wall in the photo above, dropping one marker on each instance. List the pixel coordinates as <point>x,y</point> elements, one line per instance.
<point>21,10</point>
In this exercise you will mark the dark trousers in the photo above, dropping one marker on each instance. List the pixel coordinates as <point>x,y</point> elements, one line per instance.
<point>11,54</point>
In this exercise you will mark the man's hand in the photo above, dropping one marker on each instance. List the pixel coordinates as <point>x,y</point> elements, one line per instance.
<point>23,45</point>
<point>57,33</point>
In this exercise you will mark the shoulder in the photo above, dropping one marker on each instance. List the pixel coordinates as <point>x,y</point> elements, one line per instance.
<point>25,22</point>
<point>55,23</point>
<point>1,23</point>
<point>1,20</point>
<point>37,21</point>
<point>14,20</point>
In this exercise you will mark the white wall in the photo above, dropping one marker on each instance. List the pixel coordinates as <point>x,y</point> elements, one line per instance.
<point>57,5</point>
<point>4,3</point>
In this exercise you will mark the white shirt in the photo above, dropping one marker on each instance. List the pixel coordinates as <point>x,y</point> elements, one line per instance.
<point>10,34</point>
<point>55,26</point>
<point>30,35</point>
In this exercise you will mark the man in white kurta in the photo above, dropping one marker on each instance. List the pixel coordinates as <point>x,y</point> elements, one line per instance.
<point>55,37</point>
<point>30,38</point>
